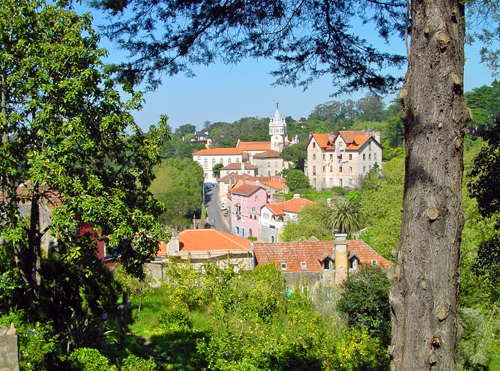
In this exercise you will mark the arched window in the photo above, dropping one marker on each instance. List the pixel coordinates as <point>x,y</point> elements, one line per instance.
<point>229,160</point>
<point>205,163</point>
<point>221,161</point>
<point>213,162</point>
<point>272,239</point>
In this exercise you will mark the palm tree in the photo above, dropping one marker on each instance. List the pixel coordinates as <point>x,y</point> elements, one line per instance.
<point>346,217</point>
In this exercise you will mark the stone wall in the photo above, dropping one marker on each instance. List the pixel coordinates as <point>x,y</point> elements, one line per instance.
<point>9,353</point>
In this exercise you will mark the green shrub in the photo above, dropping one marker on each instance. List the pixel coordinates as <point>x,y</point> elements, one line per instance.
<point>89,359</point>
<point>134,363</point>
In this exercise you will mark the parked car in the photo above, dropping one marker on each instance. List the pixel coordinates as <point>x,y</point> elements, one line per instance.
<point>209,185</point>
<point>223,207</point>
<point>225,214</point>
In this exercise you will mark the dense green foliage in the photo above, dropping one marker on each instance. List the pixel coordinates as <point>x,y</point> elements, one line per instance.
<point>296,179</point>
<point>179,149</point>
<point>315,220</point>
<point>296,153</point>
<point>346,217</point>
<point>364,300</point>
<point>178,185</point>
<point>248,321</point>
<point>71,153</point>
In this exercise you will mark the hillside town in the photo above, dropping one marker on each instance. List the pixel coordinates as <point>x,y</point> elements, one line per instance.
<point>362,234</point>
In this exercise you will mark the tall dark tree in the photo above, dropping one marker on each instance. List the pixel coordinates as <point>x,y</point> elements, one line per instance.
<point>296,153</point>
<point>314,38</point>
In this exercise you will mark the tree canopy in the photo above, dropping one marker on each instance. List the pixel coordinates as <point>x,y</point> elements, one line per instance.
<point>230,31</point>
<point>65,156</point>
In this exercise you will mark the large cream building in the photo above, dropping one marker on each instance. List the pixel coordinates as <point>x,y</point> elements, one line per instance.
<point>341,159</point>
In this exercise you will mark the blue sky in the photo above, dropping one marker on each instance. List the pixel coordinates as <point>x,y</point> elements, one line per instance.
<point>227,93</point>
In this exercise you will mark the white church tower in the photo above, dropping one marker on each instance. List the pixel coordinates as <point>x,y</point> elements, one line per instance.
<point>277,131</point>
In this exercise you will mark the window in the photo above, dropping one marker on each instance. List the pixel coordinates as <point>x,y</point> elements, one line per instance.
<point>374,262</point>
<point>331,157</point>
<point>314,156</point>
<point>257,198</point>
<point>265,216</point>
<point>350,169</point>
<point>253,209</point>
<point>341,182</point>
<point>229,160</point>
<point>268,173</point>
<point>213,162</point>
<point>205,163</point>
<point>364,169</point>
<point>331,182</point>
<point>314,181</point>
<point>199,158</point>
<point>303,265</point>
<point>331,169</point>
<point>375,156</point>
<point>364,156</point>
<point>275,163</point>
<point>369,167</point>
<point>350,156</point>
<point>237,160</point>
<point>340,169</point>
<point>221,160</point>
<point>314,144</point>
<point>314,170</point>
<point>369,156</point>
<point>324,157</point>
<point>275,172</point>
<point>272,239</point>
<point>323,169</point>
<point>283,266</point>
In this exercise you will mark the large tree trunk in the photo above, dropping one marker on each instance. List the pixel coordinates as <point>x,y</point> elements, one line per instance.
<point>424,293</point>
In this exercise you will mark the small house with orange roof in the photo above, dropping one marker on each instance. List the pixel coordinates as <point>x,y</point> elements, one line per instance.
<point>319,262</point>
<point>201,246</point>
<point>342,159</point>
<point>274,216</point>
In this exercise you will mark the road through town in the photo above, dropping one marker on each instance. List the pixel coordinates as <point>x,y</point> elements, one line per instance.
<point>214,213</point>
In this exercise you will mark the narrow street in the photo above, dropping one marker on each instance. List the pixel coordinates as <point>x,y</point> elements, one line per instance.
<point>214,213</point>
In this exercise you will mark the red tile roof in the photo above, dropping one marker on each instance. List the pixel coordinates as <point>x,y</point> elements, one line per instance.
<point>236,177</point>
<point>211,239</point>
<point>246,189</point>
<point>358,142</point>
<point>295,205</point>
<point>254,146</point>
<point>349,136</point>
<point>275,184</point>
<point>323,141</point>
<point>267,154</point>
<point>219,151</point>
<point>312,252</point>
<point>237,166</point>
<point>207,240</point>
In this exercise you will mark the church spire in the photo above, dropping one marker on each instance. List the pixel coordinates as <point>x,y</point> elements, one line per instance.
<point>277,130</point>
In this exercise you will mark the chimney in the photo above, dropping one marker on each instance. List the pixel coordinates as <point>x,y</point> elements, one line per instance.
<point>331,138</point>
<point>243,167</point>
<point>341,262</point>
<point>310,134</point>
<point>173,244</point>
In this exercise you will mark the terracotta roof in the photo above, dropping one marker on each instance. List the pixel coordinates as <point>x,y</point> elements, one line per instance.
<point>312,252</point>
<point>237,166</point>
<point>295,205</point>
<point>267,154</point>
<point>211,239</point>
<point>275,184</point>
<point>236,177</point>
<point>358,142</point>
<point>219,151</point>
<point>323,141</point>
<point>24,192</point>
<point>206,240</point>
<point>246,189</point>
<point>239,183</point>
<point>254,146</point>
<point>350,135</point>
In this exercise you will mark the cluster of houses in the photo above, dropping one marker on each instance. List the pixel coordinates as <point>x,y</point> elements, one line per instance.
<point>251,194</point>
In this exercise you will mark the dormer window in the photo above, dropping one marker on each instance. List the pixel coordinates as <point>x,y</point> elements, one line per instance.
<point>283,266</point>
<point>303,265</point>
<point>374,262</point>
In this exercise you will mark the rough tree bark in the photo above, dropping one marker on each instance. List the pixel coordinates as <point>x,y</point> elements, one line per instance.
<point>424,294</point>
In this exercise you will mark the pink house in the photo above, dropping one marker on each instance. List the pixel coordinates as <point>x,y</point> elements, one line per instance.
<point>246,203</point>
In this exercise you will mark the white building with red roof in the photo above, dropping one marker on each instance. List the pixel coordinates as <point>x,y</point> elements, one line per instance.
<point>274,216</point>
<point>342,159</point>
<point>208,158</point>
<point>325,262</point>
<point>239,168</point>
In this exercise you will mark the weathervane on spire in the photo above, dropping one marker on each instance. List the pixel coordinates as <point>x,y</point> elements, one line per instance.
<point>277,103</point>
